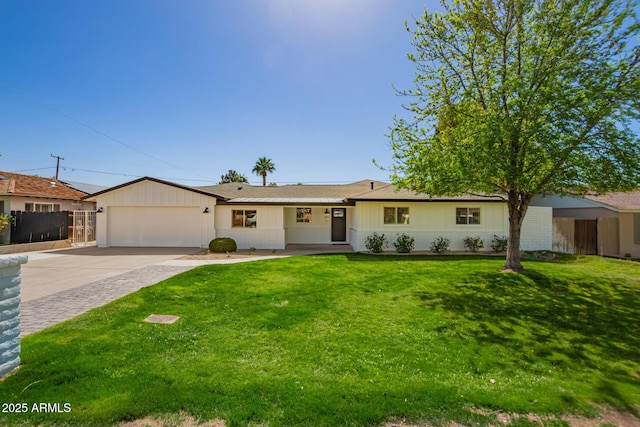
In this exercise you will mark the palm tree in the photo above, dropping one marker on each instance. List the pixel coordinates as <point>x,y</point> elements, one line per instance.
<point>262,167</point>
<point>233,176</point>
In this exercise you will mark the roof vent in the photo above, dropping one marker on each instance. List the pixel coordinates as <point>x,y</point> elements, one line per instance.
<point>372,185</point>
<point>240,188</point>
<point>52,183</point>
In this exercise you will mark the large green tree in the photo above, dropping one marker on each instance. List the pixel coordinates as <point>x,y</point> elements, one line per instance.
<point>521,97</point>
<point>232,176</point>
<point>262,167</point>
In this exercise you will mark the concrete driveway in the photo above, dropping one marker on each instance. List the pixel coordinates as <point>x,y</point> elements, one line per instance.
<point>50,272</point>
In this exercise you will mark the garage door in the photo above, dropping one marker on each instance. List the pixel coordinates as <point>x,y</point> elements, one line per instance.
<point>153,226</point>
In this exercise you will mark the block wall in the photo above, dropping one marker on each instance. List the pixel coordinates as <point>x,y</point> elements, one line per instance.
<point>537,229</point>
<point>10,312</point>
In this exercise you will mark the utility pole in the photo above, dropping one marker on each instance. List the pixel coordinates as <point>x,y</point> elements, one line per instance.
<point>57,165</point>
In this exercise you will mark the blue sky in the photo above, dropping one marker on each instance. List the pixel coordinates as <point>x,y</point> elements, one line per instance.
<point>186,90</point>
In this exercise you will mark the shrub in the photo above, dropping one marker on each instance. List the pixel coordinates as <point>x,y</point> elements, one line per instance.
<point>473,243</point>
<point>440,245</point>
<point>375,242</point>
<point>499,243</point>
<point>5,221</point>
<point>404,243</point>
<point>223,244</point>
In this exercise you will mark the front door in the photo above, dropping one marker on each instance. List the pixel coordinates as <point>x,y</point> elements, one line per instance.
<point>338,225</point>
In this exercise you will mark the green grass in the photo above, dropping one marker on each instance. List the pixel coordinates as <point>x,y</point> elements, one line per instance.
<point>347,340</point>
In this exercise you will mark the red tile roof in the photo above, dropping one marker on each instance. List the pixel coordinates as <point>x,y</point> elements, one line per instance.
<point>16,184</point>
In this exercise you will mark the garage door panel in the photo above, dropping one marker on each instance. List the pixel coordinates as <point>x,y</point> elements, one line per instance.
<point>154,226</point>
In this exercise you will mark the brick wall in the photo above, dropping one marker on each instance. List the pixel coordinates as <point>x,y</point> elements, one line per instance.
<point>10,312</point>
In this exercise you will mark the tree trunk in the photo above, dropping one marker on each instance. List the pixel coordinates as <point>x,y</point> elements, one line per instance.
<point>264,179</point>
<point>518,204</point>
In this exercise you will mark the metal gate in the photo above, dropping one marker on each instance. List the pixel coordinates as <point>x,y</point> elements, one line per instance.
<point>84,227</point>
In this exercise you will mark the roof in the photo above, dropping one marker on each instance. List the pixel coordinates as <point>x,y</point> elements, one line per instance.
<point>16,184</point>
<point>621,201</point>
<point>84,187</point>
<point>289,200</point>
<point>365,190</point>
<point>147,178</point>
<point>390,192</point>
<point>235,192</point>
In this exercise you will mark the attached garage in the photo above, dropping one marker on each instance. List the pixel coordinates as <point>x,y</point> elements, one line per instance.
<point>153,213</point>
<point>156,226</point>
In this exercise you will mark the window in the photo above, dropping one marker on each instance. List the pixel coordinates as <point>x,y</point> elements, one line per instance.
<point>303,214</point>
<point>396,215</point>
<point>244,219</point>
<point>467,215</point>
<point>42,207</point>
<point>636,229</point>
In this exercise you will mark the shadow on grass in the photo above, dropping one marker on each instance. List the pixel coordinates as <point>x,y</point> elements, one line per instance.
<point>574,324</point>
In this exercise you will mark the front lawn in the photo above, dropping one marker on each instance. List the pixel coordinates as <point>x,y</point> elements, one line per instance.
<point>347,340</point>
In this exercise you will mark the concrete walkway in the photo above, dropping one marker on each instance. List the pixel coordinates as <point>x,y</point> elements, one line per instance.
<point>70,299</point>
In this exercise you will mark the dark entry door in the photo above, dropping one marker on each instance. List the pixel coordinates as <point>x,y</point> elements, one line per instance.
<point>338,225</point>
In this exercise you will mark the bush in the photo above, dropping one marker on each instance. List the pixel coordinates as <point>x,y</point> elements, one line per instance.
<point>499,244</point>
<point>5,222</point>
<point>404,244</point>
<point>223,244</point>
<point>375,242</point>
<point>473,243</point>
<point>440,245</point>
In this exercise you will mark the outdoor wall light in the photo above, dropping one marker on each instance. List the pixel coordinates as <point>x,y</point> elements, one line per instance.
<point>326,211</point>
<point>206,210</point>
<point>100,210</point>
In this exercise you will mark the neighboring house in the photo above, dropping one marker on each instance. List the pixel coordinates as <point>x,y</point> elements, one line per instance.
<point>28,193</point>
<point>153,212</point>
<point>84,187</point>
<point>614,219</point>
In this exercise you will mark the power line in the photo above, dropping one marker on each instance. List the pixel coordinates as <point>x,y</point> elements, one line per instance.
<point>93,129</point>
<point>72,169</point>
<point>33,169</point>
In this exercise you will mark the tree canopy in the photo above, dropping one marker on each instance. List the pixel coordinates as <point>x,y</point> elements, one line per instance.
<point>521,97</point>
<point>262,167</point>
<point>232,176</point>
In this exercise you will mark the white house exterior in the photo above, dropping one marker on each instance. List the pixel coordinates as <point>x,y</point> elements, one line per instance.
<point>152,212</point>
<point>430,218</point>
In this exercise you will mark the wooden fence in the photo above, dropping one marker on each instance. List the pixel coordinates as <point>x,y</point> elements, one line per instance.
<point>586,236</point>
<point>608,236</point>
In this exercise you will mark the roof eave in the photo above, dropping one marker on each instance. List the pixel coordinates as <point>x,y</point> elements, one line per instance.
<point>406,200</point>
<point>41,196</point>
